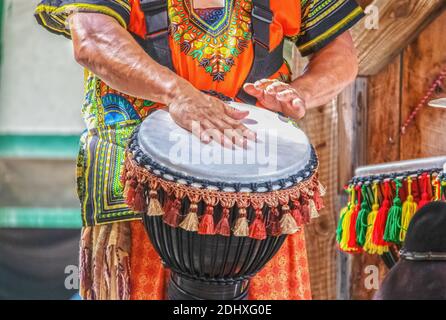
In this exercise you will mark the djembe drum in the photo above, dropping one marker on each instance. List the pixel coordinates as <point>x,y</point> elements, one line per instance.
<point>217,220</point>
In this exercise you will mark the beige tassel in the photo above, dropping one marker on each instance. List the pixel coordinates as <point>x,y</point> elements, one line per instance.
<point>288,223</point>
<point>241,228</point>
<point>190,223</point>
<point>313,211</point>
<point>155,208</point>
<point>322,189</point>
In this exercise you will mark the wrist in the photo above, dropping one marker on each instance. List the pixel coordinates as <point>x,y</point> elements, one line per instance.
<point>179,90</point>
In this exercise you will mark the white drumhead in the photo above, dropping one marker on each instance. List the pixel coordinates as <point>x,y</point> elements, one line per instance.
<point>282,149</point>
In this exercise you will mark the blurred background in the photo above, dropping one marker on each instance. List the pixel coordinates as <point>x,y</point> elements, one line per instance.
<point>41,91</point>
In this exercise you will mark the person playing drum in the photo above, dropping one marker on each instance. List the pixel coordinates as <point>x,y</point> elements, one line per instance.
<point>142,55</point>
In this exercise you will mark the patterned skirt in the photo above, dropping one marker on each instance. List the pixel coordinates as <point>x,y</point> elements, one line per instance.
<point>118,262</point>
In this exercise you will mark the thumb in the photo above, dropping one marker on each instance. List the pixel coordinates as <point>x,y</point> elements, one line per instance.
<point>234,113</point>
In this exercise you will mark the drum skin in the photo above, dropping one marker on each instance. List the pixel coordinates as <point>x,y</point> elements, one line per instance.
<point>209,267</point>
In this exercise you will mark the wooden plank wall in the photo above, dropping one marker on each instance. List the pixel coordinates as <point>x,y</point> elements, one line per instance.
<point>392,94</point>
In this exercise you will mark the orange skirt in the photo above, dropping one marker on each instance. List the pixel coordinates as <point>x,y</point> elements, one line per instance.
<point>285,277</point>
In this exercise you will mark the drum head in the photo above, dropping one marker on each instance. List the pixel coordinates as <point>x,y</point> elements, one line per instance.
<point>281,150</point>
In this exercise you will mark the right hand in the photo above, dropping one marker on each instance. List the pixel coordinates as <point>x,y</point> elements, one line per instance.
<point>215,119</point>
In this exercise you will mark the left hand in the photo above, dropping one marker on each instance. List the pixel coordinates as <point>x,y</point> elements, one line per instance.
<point>278,96</point>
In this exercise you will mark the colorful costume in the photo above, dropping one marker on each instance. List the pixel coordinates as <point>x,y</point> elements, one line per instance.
<point>213,49</point>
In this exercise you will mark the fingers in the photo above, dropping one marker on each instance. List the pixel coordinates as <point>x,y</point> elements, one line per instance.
<point>216,133</point>
<point>295,108</point>
<point>236,125</point>
<point>234,113</point>
<point>252,90</point>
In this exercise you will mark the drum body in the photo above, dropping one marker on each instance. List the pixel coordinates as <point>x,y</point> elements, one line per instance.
<point>216,224</point>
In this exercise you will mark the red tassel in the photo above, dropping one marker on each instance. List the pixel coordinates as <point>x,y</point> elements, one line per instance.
<point>318,201</point>
<point>223,227</point>
<point>172,213</point>
<point>257,230</point>
<point>130,192</point>
<point>206,226</point>
<point>296,213</point>
<point>305,211</point>
<point>352,244</point>
<point>352,238</point>
<point>380,224</point>
<point>273,228</point>
<point>139,202</point>
<point>425,196</point>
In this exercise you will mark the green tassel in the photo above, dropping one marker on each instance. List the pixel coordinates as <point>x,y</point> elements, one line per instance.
<point>393,225</point>
<point>361,222</point>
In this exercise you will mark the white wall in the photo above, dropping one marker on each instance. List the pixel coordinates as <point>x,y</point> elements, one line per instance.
<point>41,86</point>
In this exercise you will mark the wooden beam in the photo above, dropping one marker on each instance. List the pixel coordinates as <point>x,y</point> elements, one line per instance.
<point>400,22</point>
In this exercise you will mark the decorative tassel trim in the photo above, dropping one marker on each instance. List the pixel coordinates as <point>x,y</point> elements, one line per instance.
<point>171,215</point>
<point>223,228</point>
<point>190,222</point>
<point>257,230</point>
<point>393,224</point>
<point>154,208</point>
<point>241,228</point>
<point>274,229</point>
<point>207,222</point>
<point>142,190</point>
<point>288,223</point>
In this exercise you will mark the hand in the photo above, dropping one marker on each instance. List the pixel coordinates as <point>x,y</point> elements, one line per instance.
<point>278,96</point>
<point>214,119</point>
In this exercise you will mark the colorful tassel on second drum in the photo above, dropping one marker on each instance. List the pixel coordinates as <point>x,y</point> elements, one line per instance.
<point>380,208</point>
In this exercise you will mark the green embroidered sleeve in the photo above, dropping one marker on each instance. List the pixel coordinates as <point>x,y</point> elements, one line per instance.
<point>323,21</point>
<point>53,14</point>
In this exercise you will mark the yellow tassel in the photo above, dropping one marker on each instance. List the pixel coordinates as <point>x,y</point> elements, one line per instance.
<point>313,211</point>
<point>154,208</point>
<point>241,228</point>
<point>190,223</point>
<point>409,209</point>
<point>343,244</point>
<point>369,246</point>
<point>346,229</point>
<point>288,223</point>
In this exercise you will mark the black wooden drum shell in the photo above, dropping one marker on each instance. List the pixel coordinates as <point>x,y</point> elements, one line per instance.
<point>210,260</point>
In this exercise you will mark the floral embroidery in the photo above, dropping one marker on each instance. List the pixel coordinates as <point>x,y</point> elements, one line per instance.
<point>215,46</point>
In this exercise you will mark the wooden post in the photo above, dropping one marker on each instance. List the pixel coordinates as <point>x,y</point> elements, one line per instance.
<point>352,110</point>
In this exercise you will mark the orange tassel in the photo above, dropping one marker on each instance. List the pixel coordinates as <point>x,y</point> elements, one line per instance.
<point>296,212</point>
<point>172,213</point>
<point>257,230</point>
<point>223,227</point>
<point>207,222</point>
<point>129,192</point>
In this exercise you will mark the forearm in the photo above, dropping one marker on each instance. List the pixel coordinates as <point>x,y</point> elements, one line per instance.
<point>109,51</point>
<point>328,72</point>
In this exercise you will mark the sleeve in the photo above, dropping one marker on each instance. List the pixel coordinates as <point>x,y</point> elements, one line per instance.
<point>323,21</point>
<point>53,14</point>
